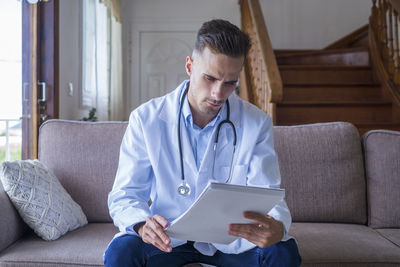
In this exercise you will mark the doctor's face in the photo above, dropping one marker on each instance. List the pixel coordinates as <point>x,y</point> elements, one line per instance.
<point>213,77</point>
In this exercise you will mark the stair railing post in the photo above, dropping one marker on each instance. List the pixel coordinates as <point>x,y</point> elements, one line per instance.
<point>374,15</point>
<point>379,25</point>
<point>384,38</point>
<point>385,55</point>
<point>390,41</point>
<point>373,20</point>
<point>263,77</point>
<point>396,49</point>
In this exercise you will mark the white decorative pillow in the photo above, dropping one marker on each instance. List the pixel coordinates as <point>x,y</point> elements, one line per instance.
<point>40,199</point>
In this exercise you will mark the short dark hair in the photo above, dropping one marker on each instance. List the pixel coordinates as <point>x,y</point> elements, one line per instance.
<point>222,37</point>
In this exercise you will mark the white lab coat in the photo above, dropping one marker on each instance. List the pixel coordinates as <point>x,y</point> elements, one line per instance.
<point>149,165</point>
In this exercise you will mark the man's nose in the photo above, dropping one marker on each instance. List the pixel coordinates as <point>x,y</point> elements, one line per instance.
<point>216,91</point>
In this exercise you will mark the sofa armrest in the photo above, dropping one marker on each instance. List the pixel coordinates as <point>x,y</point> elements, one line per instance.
<point>11,225</point>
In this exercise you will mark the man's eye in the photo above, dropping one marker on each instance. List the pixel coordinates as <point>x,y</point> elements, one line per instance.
<point>210,78</point>
<point>230,84</point>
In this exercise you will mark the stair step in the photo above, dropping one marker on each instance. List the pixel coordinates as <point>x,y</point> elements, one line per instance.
<point>288,52</point>
<point>347,57</point>
<point>281,52</point>
<point>359,102</point>
<point>339,102</point>
<point>367,113</point>
<point>319,74</point>
<point>331,93</point>
<point>356,38</point>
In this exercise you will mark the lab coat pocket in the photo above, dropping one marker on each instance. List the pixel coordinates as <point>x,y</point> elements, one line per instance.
<point>221,174</point>
<point>238,175</point>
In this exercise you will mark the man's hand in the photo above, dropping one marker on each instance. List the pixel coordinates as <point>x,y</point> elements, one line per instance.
<point>264,232</point>
<point>152,232</point>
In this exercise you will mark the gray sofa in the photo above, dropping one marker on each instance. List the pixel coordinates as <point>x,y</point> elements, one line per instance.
<point>343,192</point>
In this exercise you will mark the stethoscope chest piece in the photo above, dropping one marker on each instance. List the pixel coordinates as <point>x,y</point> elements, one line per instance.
<point>184,189</point>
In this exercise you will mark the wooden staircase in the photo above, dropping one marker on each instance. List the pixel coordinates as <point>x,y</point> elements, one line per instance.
<point>355,79</point>
<point>332,85</point>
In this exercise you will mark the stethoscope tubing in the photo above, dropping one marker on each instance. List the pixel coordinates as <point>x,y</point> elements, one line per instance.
<point>179,132</point>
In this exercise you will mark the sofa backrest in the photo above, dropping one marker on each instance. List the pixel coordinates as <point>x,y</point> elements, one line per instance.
<point>321,167</point>
<point>84,157</point>
<point>322,172</point>
<point>382,165</point>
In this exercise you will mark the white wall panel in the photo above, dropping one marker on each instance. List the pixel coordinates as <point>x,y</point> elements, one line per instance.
<point>70,60</point>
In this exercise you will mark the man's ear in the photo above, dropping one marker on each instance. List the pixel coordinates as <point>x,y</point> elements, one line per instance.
<point>189,65</point>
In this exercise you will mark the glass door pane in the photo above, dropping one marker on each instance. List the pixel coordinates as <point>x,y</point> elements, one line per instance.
<point>11,80</point>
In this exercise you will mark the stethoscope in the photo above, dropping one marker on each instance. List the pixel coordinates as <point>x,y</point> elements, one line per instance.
<point>184,188</point>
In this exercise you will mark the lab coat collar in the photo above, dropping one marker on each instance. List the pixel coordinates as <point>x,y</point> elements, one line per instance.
<point>170,110</point>
<point>236,111</point>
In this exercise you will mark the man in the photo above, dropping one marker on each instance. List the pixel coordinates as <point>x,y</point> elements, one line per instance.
<point>150,156</point>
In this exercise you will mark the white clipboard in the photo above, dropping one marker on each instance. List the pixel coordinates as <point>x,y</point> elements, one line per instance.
<point>208,218</point>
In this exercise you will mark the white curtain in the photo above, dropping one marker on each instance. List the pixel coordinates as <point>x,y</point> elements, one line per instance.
<point>89,51</point>
<point>102,61</point>
<point>116,92</point>
<point>114,7</point>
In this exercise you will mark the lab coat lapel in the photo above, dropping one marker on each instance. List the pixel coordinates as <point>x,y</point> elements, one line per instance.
<point>187,151</point>
<point>169,114</point>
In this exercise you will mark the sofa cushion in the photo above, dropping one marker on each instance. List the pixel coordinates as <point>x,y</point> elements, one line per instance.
<point>322,172</point>
<point>393,235</point>
<point>84,156</point>
<point>30,251</point>
<point>382,165</point>
<point>82,247</point>
<point>328,244</point>
<point>11,225</point>
<point>40,199</point>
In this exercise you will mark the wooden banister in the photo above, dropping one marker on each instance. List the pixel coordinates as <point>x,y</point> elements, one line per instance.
<point>396,5</point>
<point>261,83</point>
<point>350,40</point>
<point>384,45</point>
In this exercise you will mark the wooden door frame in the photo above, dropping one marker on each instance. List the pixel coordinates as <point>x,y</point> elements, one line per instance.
<point>40,61</point>
<point>48,16</point>
<point>29,80</point>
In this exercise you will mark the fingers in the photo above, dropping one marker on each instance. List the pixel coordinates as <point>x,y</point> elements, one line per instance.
<point>264,232</point>
<point>262,219</point>
<point>161,220</point>
<point>153,233</point>
<point>252,232</point>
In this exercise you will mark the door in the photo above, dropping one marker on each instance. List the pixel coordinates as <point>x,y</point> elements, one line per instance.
<point>39,70</point>
<point>157,37</point>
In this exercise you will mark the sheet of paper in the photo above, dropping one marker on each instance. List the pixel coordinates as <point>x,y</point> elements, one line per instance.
<point>208,218</point>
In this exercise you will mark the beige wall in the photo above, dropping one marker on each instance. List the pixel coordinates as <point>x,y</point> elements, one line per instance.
<point>312,24</point>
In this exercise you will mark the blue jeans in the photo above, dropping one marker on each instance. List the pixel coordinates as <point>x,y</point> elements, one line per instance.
<point>129,250</point>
